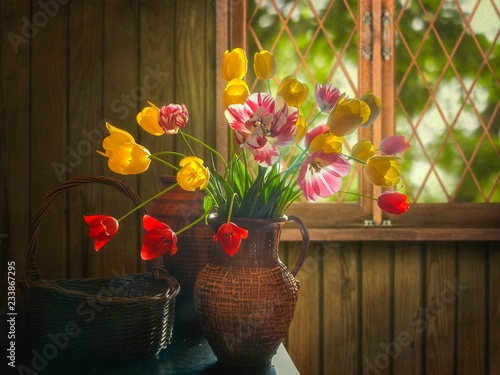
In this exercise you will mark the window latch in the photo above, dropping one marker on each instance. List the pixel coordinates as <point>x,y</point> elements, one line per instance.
<point>386,35</point>
<point>367,48</point>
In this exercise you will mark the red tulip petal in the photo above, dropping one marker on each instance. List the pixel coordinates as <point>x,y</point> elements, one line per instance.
<point>101,228</point>
<point>229,236</point>
<point>393,202</point>
<point>158,240</point>
<point>151,223</point>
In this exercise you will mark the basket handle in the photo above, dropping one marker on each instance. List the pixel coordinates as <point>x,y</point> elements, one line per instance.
<point>32,263</point>
<point>305,243</point>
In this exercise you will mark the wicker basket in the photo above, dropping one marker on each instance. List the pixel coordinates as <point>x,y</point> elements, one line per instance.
<point>123,317</point>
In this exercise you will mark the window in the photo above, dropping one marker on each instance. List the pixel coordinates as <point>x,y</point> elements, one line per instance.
<point>433,65</point>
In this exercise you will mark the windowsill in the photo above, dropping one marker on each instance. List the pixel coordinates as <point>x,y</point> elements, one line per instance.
<point>392,233</point>
<point>423,222</point>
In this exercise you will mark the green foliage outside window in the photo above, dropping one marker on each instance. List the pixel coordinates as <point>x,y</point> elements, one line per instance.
<point>447,88</point>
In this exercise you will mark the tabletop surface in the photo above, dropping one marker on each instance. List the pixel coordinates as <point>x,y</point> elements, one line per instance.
<point>186,355</point>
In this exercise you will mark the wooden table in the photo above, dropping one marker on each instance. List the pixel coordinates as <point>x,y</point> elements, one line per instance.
<point>188,355</point>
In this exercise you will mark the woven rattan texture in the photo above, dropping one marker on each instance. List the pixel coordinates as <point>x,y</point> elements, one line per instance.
<point>245,311</point>
<point>123,317</point>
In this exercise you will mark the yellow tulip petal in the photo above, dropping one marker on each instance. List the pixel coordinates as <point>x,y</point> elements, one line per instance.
<point>148,120</point>
<point>234,64</point>
<point>119,133</point>
<point>264,65</point>
<point>293,91</point>
<point>327,143</point>
<point>193,174</point>
<point>236,92</point>
<point>382,170</point>
<point>301,125</point>
<point>115,139</point>
<point>375,106</point>
<point>363,150</point>
<point>129,158</point>
<point>190,159</point>
<point>347,116</point>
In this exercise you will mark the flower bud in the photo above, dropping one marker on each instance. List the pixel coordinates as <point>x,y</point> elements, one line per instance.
<point>293,91</point>
<point>173,117</point>
<point>264,65</point>
<point>234,64</point>
<point>326,96</point>
<point>394,144</point>
<point>347,116</point>
<point>236,92</point>
<point>363,150</point>
<point>393,202</point>
<point>383,170</point>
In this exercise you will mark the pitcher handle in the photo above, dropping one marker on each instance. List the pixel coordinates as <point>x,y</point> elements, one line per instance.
<point>305,243</point>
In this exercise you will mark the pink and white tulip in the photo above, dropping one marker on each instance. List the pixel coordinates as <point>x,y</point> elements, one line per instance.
<point>394,144</point>
<point>321,174</point>
<point>263,124</point>
<point>326,96</point>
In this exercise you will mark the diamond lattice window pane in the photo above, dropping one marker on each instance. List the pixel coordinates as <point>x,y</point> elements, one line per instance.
<point>448,91</point>
<point>316,40</point>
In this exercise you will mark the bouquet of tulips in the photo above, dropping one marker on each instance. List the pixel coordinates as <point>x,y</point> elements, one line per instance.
<point>255,180</point>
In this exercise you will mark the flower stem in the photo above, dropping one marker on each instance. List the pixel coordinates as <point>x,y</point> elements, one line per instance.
<point>163,161</point>
<point>359,195</point>
<point>315,117</point>
<point>204,145</point>
<point>269,87</point>
<point>190,225</point>
<point>169,153</point>
<point>147,201</point>
<point>355,159</point>
<point>231,209</point>
<point>187,143</point>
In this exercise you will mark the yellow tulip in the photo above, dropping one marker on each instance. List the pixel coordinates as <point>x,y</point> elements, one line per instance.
<point>363,150</point>
<point>327,143</point>
<point>234,64</point>
<point>124,155</point>
<point>293,91</point>
<point>115,139</point>
<point>347,115</point>
<point>383,170</point>
<point>193,174</point>
<point>129,158</point>
<point>264,65</point>
<point>301,125</point>
<point>375,108</point>
<point>236,92</point>
<point>148,120</point>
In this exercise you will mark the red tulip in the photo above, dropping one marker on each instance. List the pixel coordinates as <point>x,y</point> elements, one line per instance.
<point>229,235</point>
<point>393,202</point>
<point>102,229</point>
<point>158,240</point>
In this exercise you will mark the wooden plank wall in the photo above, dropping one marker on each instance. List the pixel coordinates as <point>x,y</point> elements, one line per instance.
<point>409,308</point>
<point>365,307</point>
<point>66,69</point>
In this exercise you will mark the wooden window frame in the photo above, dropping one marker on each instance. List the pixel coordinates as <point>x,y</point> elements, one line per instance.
<point>363,220</point>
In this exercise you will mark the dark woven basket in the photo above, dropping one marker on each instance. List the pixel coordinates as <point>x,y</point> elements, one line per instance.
<point>123,317</point>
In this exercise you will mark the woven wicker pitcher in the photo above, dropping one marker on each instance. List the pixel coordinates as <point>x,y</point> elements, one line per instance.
<point>246,303</point>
